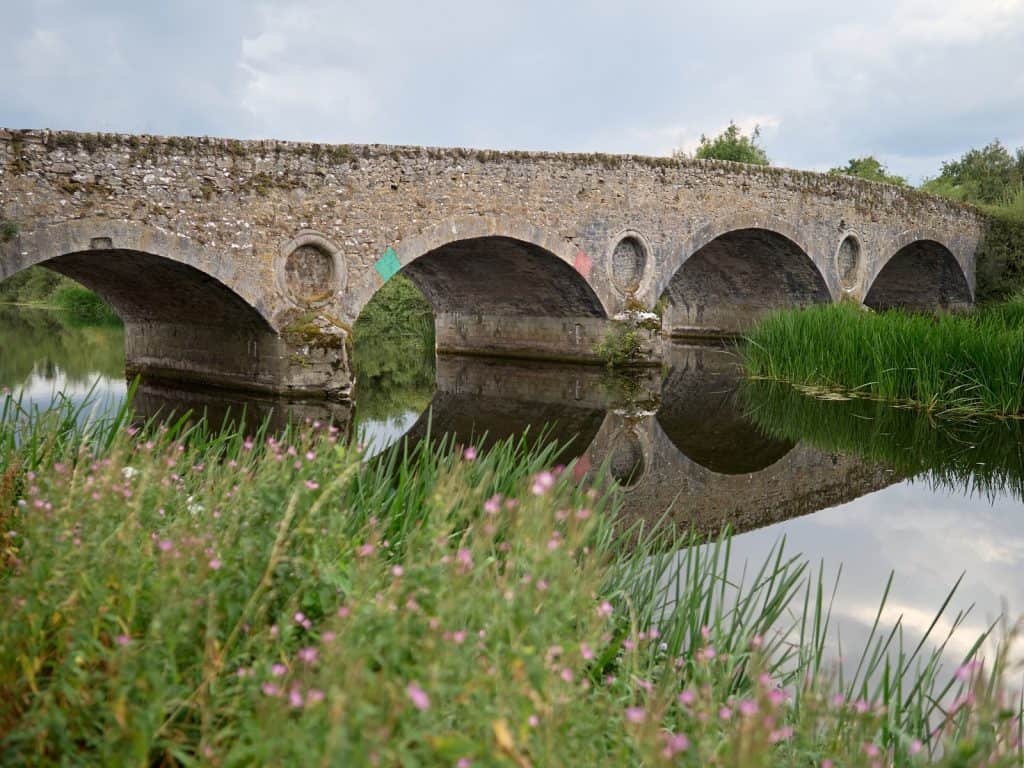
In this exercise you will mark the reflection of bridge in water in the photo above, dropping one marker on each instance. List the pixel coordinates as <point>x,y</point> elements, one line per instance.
<point>681,446</point>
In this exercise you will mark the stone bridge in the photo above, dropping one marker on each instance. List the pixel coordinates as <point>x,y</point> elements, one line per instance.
<point>245,264</point>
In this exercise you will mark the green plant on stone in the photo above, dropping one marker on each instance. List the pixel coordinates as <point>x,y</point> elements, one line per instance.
<point>8,229</point>
<point>620,345</point>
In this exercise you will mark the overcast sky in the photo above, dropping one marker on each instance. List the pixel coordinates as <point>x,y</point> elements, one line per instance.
<point>911,81</point>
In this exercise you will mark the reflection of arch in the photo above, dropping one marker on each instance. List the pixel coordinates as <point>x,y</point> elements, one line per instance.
<point>733,277</point>
<point>921,273</point>
<point>702,414</point>
<point>495,265</point>
<point>145,273</point>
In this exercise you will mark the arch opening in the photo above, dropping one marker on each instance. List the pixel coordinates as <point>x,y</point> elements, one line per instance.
<point>921,276</point>
<point>732,281</point>
<point>181,324</point>
<point>502,296</point>
<point>501,276</point>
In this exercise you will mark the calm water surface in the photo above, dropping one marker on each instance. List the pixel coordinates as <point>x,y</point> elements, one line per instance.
<point>872,488</point>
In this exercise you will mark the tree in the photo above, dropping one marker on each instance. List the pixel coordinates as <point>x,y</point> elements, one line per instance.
<point>732,144</point>
<point>869,168</point>
<point>989,175</point>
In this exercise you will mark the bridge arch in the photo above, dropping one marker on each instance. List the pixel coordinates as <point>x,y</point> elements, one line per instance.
<point>733,270</point>
<point>921,272</point>
<point>500,287</point>
<point>495,265</point>
<point>142,271</point>
<point>190,314</point>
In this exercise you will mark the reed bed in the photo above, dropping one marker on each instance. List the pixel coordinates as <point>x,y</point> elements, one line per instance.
<point>949,365</point>
<point>179,595</point>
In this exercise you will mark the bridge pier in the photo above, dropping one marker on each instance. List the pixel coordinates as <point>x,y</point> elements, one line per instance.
<point>308,360</point>
<point>559,339</point>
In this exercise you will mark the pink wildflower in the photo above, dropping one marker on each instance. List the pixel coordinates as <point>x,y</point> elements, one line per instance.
<point>469,454</point>
<point>636,714</point>
<point>418,696</point>
<point>604,609</point>
<point>493,505</point>
<point>269,689</point>
<point>308,655</point>
<point>542,483</point>
<point>312,485</point>
<point>215,564</point>
<point>278,669</point>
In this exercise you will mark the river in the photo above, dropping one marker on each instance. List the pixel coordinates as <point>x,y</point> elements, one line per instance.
<point>876,489</point>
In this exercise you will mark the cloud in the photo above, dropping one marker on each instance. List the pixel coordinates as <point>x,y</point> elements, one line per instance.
<point>911,81</point>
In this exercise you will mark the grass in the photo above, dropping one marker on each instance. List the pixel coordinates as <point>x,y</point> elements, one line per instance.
<point>948,365</point>
<point>177,595</point>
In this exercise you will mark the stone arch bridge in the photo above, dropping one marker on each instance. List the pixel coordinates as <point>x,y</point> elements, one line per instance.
<point>245,264</point>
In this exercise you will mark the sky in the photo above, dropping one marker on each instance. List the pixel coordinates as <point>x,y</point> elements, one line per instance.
<point>913,82</point>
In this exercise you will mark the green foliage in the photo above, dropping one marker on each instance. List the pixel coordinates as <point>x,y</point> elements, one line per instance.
<point>83,304</point>
<point>732,144</point>
<point>620,345</point>
<point>179,597</point>
<point>35,285</point>
<point>869,168</point>
<point>394,351</point>
<point>956,366</point>
<point>990,175</point>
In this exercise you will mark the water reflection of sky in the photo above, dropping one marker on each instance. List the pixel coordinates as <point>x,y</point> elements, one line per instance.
<point>928,538</point>
<point>40,390</point>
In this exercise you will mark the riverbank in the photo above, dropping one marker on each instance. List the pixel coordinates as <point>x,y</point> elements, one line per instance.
<point>41,288</point>
<point>177,597</point>
<point>961,366</point>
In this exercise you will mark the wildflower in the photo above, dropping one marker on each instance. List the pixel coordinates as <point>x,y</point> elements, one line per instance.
<point>542,483</point>
<point>269,689</point>
<point>314,696</point>
<point>299,617</point>
<point>464,762</point>
<point>782,734</point>
<point>328,637</point>
<point>533,721</point>
<point>586,651</point>
<point>838,700</point>
<point>542,585</point>
<point>871,749</point>
<point>687,697</point>
<point>365,550</point>
<point>459,636</point>
<point>123,640</point>
<point>965,672</point>
<point>862,706</point>
<point>635,714</point>
<point>604,610</point>
<point>165,545</point>
<point>308,655</point>
<point>312,485</point>
<point>310,456</point>
<point>344,611</point>
<point>916,746</point>
<point>674,744</point>
<point>278,669</point>
<point>582,514</point>
<point>295,698</point>
<point>566,674</point>
<point>748,707</point>
<point>215,564</point>
<point>465,559</point>
<point>397,571</point>
<point>418,696</point>
<point>493,504</point>
<point>469,454</point>
<point>725,713</point>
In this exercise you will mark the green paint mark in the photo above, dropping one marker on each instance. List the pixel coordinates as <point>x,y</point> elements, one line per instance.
<point>387,266</point>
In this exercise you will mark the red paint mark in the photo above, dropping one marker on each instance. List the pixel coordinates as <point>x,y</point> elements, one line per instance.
<point>583,263</point>
<point>580,468</point>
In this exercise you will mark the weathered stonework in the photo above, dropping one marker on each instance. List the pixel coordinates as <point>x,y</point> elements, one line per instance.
<point>246,263</point>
